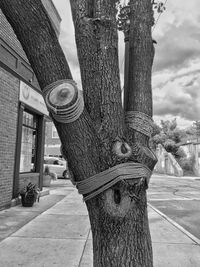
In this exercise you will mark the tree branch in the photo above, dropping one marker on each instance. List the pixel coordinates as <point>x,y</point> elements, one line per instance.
<point>97,45</point>
<point>139,91</point>
<point>141,53</point>
<point>33,28</point>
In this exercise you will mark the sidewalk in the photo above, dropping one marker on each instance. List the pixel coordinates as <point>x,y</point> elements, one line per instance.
<point>56,232</point>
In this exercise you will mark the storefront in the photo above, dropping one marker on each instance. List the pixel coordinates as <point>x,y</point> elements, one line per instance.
<point>22,113</point>
<point>30,138</point>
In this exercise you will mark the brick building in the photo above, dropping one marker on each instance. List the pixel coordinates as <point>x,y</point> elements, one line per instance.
<point>22,114</point>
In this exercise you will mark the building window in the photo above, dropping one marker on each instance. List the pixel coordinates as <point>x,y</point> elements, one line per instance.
<point>54,132</point>
<point>28,145</point>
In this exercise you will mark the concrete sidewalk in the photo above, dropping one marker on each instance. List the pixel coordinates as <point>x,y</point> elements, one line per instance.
<point>56,232</point>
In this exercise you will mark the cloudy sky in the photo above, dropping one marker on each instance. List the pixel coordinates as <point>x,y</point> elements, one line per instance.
<point>176,70</point>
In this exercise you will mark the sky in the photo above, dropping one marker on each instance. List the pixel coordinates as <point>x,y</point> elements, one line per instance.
<point>176,68</point>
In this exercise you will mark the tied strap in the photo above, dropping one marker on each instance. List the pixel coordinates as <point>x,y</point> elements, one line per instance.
<point>139,122</point>
<point>99,182</point>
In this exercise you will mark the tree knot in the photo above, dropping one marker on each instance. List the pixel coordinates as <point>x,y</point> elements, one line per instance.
<point>121,149</point>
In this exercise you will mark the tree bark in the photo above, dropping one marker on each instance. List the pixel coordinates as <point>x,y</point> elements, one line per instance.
<point>38,39</point>
<point>99,138</point>
<point>97,45</point>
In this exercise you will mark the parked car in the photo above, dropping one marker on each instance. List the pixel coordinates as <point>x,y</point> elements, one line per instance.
<point>57,166</point>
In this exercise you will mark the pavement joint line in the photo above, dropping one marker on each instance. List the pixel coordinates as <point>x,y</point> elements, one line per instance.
<point>178,226</point>
<point>30,220</point>
<point>179,193</point>
<point>79,264</point>
<point>24,211</point>
<point>175,243</point>
<point>172,199</point>
<point>167,199</point>
<point>167,192</point>
<point>62,215</point>
<point>50,238</point>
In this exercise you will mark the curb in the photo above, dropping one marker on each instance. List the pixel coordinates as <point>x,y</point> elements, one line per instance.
<point>178,226</point>
<point>44,192</point>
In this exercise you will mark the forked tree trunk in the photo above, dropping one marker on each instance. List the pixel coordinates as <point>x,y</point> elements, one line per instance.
<point>99,138</point>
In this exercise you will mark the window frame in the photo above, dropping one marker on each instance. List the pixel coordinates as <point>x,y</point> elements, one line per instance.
<point>35,116</point>
<point>53,130</point>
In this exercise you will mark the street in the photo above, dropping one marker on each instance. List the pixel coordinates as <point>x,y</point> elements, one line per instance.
<point>178,198</point>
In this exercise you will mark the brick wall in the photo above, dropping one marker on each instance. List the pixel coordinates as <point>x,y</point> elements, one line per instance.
<point>9,94</point>
<point>8,35</point>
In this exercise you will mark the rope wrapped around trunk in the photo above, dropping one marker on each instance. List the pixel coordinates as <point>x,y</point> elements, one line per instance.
<point>139,122</point>
<point>99,182</point>
<point>64,113</point>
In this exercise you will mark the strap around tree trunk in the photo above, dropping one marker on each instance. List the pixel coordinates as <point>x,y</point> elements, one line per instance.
<point>99,182</point>
<point>140,122</point>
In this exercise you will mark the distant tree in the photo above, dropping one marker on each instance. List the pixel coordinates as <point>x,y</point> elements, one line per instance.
<point>169,136</point>
<point>196,126</point>
<point>156,129</point>
<point>168,125</point>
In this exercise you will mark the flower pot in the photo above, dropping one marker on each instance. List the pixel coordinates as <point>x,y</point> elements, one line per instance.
<point>46,180</point>
<point>27,200</point>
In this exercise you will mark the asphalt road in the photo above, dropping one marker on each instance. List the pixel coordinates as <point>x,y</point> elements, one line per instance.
<point>179,199</point>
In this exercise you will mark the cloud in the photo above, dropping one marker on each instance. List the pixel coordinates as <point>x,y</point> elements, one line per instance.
<point>179,96</point>
<point>177,47</point>
<point>67,38</point>
<point>176,67</point>
<point>190,75</point>
<point>68,45</point>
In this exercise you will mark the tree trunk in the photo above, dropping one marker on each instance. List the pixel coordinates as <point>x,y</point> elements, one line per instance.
<point>99,138</point>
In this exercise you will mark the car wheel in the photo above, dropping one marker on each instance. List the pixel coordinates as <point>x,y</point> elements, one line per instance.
<point>65,174</point>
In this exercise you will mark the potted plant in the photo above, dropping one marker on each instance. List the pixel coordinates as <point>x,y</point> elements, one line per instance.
<point>46,177</point>
<point>29,194</point>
